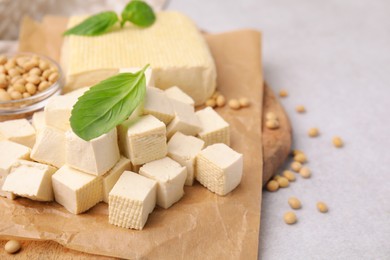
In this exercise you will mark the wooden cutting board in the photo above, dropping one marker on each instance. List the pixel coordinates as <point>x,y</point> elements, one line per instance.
<point>276,148</point>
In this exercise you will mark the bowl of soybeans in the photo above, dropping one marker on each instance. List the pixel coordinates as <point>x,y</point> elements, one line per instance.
<point>27,81</point>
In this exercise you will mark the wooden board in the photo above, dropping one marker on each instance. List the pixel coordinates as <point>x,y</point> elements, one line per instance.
<point>276,147</point>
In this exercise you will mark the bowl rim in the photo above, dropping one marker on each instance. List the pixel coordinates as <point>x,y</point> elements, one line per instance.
<point>53,87</point>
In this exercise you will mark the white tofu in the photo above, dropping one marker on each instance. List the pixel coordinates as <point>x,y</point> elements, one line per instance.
<point>175,48</point>
<point>58,111</point>
<point>112,176</point>
<point>148,74</point>
<point>158,104</point>
<point>214,128</point>
<point>131,201</point>
<point>31,180</point>
<point>75,190</point>
<point>49,147</point>
<point>184,149</point>
<point>10,153</point>
<point>38,120</point>
<point>170,177</point>
<point>77,93</point>
<point>185,120</point>
<point>96,156</point>
<point>219,168</point>
<point>18,131</point>
<point>143,140</point>
<point>177,94</point>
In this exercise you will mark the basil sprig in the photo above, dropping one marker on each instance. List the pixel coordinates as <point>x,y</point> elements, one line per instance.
<point>95,25</point>
<point>107,104</point>
<point>137,12</point>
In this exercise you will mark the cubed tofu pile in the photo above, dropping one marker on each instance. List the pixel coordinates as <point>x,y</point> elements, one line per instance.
<point>146,161</point>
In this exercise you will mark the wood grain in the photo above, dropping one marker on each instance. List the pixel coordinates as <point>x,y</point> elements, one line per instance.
<point>276,147</point>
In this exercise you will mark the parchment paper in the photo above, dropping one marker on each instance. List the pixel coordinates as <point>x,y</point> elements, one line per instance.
<point>200,226</point>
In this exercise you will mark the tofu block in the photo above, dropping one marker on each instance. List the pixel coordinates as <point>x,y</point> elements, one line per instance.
<point>112,176</point>
<point>184,149</point>
<point>58,111</point>
<point>158,104</point>
<point>143,140</point>
<point>75,190</point>
<point>131,201</point>
<point>219,168</point>
<point>96,156</point>
<point>214,128</point>
<point>31,180</point>
<point>170,177</point>
<point>177,94</point>
<point>148,74</point>
<point>10,153</point>
<point>185,120</point>
<point>49,147</point>
<point>19,131</point>
<point>176,50</point>
<point>38,120</point>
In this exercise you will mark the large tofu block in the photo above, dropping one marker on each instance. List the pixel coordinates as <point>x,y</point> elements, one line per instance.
<point>112,176</point>
<point>31,180</point>
<point>158,104</point>
<point>173,46</point>
<point>96,156</point>
<point>38,120</point>
<point>184,149</point>
<point>143,140</point>
<point>148,74</point>
<point>170,177</point>
<point>10,153</point>
<point>177,94</point>
<point>18,131</point>
<point>75,190</point>
<point>214,128</point>
<point>219,168</point>
<point>185,120</point>
<point>131,201</point>
<point>49,147</point>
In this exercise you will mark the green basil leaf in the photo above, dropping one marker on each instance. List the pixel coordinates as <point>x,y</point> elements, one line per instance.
<point>107,104</point>
<point>95,25</point>
<point>139,13</point>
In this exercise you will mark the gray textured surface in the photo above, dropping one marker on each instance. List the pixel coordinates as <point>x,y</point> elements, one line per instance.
<point>334,58</point>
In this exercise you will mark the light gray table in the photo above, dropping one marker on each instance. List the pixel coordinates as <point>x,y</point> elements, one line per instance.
<point>334,58</point>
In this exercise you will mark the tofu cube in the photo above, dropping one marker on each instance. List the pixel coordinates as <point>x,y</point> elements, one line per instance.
<point>170,177</point>
<point>143,140</point>
<point>49,147</point>
<point>38,120</point>
<point>214,128</point>
<point>18,131</point>
<point>158,104</point>
<point>10,153</point>
<point>185,120</point>
<point>148,74</point>
<point>219,168</point>
<point>58,111</point>
<point>112,176</point>
<point>31,180</point>
<point>131,201</point>
<point>75,190</point>
<point>184,149</point>
<point>177,94</point>
<point>96,156</point>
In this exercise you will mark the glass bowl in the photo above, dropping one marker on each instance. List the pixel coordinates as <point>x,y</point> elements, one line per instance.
<point>25,106</point>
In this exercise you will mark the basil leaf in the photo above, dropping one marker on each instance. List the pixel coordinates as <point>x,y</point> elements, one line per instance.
<point>94,25</point>
<point>139,13</point>
<point>108,104</point>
